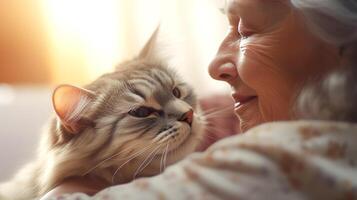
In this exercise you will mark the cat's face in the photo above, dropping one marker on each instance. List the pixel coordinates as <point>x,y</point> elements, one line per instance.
<point>136,120</point>
<point>151,114</point>
<point>128,123</point>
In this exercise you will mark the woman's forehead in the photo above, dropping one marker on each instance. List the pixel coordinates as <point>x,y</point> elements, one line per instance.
<point>236,7</point>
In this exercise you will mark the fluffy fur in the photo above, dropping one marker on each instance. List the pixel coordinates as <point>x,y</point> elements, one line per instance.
<point>94,134</point>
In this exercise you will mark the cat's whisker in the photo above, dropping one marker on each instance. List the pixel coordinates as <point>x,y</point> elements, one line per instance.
<point>213,127</point>
<point>218,116</point>
<point>145,148</point>
<point>161,161</point>
<point>219,130</point>
<point>203,120</point>
<point>214,109</point>
<point>166,138</point>
<point>145,163</point>
<point>206,120</point>
<point>131,158</point>
<point>160,136</point>
<point>99,164</point>
<point>152,158</point>
<point>217,109</point>
<point>210,136</point>
<point>210,127</point>
<point>203,112</point>
<point>138,152</point>
<point>162,164</point>
<point>167,149</point>
<point>222,110</point>
<point>105,160</point>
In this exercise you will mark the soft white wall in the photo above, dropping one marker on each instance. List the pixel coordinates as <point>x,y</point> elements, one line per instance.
<point>23,112</point>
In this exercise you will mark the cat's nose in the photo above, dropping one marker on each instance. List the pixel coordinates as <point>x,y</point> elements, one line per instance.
<point>187,117</point>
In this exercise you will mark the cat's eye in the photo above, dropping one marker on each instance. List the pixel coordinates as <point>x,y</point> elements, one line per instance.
<point>176,92</point>
<point>141,112</point>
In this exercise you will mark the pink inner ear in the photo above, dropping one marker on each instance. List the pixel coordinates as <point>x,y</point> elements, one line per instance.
<point>69,102</point>
<point>65,100</point>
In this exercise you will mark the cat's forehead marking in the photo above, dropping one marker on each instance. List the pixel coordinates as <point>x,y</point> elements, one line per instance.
<point>140,88</point>
<point>142,85</point>
<point>162,97</point>
<point>164,78</point>
<point>154,83</point>
<point>152,102</point>
<point>167,83</point>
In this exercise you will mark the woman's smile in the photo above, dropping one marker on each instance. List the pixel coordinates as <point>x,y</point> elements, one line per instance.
<point>264,70</point>
<point>240,108</point>
<point>242,101</point>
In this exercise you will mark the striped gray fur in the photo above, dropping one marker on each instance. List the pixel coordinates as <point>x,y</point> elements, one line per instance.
<point>102,149</point>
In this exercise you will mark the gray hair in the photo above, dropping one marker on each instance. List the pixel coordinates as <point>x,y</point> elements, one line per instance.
<point>334,97</point>
<point>334,21</point>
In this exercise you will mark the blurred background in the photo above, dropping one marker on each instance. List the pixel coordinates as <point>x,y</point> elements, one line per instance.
<point>47,42</point>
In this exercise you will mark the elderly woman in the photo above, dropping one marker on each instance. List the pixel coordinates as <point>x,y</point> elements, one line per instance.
<point>285,60</point>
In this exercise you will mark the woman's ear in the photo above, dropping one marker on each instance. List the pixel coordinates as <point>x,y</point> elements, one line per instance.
<point>69,103</point>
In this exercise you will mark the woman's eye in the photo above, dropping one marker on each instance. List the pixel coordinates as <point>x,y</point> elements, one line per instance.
<point>176,92</point>
<point>141,112</point>
<point>243,35</point>
<point>243,31</point>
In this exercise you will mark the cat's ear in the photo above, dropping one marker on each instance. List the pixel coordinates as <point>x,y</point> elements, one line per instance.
<point>69,103</point>
<point>150,52</point>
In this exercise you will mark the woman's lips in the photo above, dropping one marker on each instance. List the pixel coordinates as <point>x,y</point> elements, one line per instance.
<point>242,102</point>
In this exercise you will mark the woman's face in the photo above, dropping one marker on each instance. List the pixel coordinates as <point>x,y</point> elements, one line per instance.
<point>266,57</point>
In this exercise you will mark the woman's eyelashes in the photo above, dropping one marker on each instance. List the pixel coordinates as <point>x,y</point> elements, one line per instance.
<point>243,31</point>
<point>238,29</point>
<point>242,36</point>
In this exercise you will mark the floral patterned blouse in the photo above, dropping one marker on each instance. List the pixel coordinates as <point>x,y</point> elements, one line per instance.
<point>281,160</point>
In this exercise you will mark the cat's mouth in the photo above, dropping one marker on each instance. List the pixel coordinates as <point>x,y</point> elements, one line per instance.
<point>178,136</point>
<point>182,143</point>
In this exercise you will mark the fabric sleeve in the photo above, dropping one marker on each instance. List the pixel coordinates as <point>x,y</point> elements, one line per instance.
<point>269,162</point>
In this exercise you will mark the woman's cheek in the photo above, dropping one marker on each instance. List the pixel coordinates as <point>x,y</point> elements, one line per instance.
<point>247,69</point>
<point>274,106</point>
<point>259,71</point>
<point>253,67</point>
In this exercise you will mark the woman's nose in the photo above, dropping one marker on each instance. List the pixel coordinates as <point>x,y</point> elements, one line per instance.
<point>223,70</point>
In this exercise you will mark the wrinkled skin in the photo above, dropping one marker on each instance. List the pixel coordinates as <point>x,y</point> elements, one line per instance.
<point>268,54</point>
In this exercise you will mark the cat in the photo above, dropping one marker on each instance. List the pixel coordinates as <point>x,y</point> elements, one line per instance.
<point>126,124</point>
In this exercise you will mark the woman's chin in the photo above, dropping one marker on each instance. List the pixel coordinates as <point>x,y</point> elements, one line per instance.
<point>249,116</point>
<point>245,126</point>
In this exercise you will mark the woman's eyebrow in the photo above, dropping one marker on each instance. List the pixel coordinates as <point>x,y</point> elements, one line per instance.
<point>223,7</point>
<point>233,7</point>
<point>223,10</point>
<point>236,7</point>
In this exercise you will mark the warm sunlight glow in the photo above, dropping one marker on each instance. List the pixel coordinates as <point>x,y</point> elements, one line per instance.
<point>88,38</point>
<point>84,35</point>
